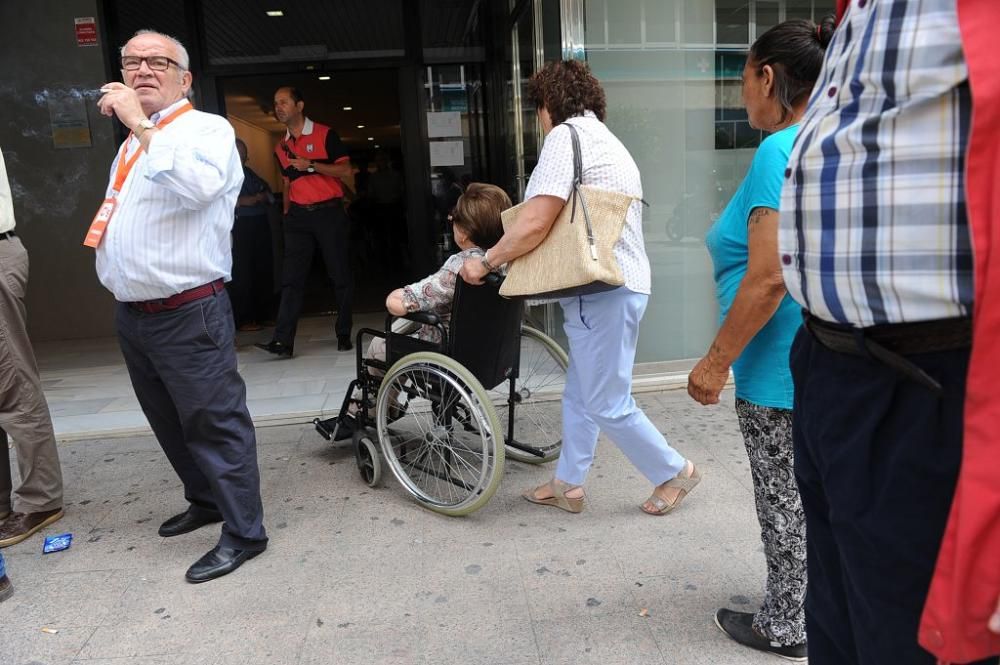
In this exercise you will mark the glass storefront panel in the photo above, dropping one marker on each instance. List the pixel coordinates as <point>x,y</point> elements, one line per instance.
<point>671,70</point>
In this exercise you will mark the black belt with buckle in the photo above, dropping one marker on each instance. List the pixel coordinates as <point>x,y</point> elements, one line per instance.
<point>329,203</point>
<point>6,235</point>
<point>890,343</point>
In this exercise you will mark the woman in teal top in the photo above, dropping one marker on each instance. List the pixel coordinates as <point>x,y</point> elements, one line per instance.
<point>758,322</point>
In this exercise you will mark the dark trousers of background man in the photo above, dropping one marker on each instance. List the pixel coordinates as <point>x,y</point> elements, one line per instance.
<point>252,290</point>
<point>182,363</point>
<point>329,229</point>
<point>876,459</point>
<point>24,413</point>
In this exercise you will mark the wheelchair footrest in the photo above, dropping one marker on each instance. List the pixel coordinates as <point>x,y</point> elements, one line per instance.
<point>337,428</point>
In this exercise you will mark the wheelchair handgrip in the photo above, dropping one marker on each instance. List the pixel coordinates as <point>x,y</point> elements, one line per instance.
<point>429,318</point>
<point>493,279</point>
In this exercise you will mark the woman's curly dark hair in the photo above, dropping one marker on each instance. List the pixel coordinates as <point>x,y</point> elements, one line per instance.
<point>565,89</point>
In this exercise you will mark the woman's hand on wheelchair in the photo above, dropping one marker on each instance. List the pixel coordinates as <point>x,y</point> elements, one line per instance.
<point>473,271</point>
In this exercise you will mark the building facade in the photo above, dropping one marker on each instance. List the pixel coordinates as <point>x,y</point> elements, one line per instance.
<point>431,89</point>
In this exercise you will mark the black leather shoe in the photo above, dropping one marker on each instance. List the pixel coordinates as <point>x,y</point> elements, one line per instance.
<point>344,343</point>
<point>739,627</point>
<point>277,348</point>
<point>218,562</point>
<point>187,522</point>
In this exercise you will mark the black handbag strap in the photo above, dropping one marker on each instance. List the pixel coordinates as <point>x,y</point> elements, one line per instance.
<point>577,182</point>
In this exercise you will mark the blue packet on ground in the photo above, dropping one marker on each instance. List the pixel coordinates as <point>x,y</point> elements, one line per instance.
<point>57,543</point>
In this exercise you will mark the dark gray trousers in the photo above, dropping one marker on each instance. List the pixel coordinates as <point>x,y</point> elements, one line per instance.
<point>183,368</point>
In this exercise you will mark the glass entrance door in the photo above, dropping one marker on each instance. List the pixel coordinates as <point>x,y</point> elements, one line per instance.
<point>525,56</point>
<point>524,135</point>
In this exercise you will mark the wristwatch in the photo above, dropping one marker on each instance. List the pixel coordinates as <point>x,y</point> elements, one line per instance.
<point>486,263</point>
<point>311,168</point>
<point>143,125</point>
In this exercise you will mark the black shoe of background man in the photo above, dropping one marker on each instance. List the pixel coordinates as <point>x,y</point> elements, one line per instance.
<point>739,627</point>
<point>277,348</point>
<point>344,343</point>
<point>217,562</point>
<point>187,522</point>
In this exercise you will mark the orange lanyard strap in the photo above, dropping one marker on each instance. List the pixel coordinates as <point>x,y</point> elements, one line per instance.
<point>125,166</point>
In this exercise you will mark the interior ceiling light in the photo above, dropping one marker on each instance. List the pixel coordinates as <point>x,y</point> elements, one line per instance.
<point>324,78</point>
<point>348,108</point>
<point>371,138</point>
<point>274,13</point>
<point>361,126</point>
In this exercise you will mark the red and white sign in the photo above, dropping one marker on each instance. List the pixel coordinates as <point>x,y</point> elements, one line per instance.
<point>86,31</point>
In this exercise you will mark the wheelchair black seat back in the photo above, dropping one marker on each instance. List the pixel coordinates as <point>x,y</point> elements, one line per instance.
<point>483,335</point>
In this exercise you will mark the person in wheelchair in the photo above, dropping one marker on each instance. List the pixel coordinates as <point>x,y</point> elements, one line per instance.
<point>476,227</point>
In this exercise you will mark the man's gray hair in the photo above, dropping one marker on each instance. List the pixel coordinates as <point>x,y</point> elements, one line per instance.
<point>182,54</point>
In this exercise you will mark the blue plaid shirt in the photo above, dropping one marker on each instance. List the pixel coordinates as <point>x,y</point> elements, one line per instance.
<point>873,221</point>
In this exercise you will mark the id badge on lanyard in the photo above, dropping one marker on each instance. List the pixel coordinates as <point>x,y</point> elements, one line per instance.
<point>95,234</point>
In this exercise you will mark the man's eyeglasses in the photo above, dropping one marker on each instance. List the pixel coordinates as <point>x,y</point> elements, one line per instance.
<point>158,63</point>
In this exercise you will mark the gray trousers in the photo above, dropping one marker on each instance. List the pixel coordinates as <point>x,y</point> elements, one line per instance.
<point>24,414</point>
<point>182,364</point>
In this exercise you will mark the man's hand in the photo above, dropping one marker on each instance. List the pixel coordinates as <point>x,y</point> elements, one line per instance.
<point>473,271</point>
<point>706,381</point>
<point>122,101</point>
<point>300,164</point>
<point>995,619</point>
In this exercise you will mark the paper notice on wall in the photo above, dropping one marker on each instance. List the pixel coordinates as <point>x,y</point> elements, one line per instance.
<point>447,153</point>
<point>441,125</point>
<point>70,124</point>
<point>86,31</point>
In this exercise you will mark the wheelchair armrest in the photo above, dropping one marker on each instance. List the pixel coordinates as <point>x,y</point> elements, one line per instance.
<point>428,318</point>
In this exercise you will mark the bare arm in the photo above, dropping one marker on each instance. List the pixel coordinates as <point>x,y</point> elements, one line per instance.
<point>395,304</point>
<point>756,301</point>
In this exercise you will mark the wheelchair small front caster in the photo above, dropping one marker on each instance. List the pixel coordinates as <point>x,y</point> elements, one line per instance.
<point>367,457</point>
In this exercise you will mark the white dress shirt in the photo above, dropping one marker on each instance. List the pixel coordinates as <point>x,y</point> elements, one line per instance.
<point>6,201</point>
<point>170,230</point>
<point>607,164</point>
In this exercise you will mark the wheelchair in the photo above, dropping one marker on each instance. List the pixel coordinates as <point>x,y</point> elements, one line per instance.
<point>445,416</point>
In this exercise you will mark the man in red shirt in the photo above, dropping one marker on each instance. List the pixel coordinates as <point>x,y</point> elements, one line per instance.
<point>313,160</point>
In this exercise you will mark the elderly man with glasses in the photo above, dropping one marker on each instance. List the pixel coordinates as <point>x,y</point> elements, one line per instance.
<point>162,243</point>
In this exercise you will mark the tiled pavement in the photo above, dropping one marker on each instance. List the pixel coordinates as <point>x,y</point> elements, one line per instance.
<point>365,576</point>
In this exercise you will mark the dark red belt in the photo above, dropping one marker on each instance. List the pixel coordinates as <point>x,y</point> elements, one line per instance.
<point>178,299</point>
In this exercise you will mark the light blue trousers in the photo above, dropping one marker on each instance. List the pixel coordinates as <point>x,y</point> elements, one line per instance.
<point>603,330</point>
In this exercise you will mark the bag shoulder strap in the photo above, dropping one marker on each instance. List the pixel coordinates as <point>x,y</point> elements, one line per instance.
<point>577,156</point>
<point>577,181</point>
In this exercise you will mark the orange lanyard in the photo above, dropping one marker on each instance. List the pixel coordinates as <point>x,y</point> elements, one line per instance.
<point>125,166</point>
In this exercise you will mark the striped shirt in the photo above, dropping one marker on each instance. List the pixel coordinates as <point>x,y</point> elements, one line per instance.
<point>6,201</point>
<point>873,221</point>
<point>170,230</point>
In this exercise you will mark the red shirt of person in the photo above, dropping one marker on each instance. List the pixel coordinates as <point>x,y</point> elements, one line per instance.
<point>312,159</point>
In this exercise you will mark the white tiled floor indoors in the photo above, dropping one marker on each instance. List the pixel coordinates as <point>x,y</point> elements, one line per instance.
<point>90,396</point>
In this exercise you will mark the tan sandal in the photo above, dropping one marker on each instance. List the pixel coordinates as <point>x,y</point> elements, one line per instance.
<point>558,498</point>
<point>685,485</point>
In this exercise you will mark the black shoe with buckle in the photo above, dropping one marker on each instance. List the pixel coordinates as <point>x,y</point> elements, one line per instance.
<point>739,627</point>
<point>277,348</point>
<point>344,343</point>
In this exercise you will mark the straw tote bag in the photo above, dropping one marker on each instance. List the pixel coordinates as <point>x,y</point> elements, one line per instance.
<point>577,256</point>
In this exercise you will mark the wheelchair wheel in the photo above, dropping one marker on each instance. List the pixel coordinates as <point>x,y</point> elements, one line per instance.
<point>538,398</point>
<point>368,460</point>
<point>439,433</point>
